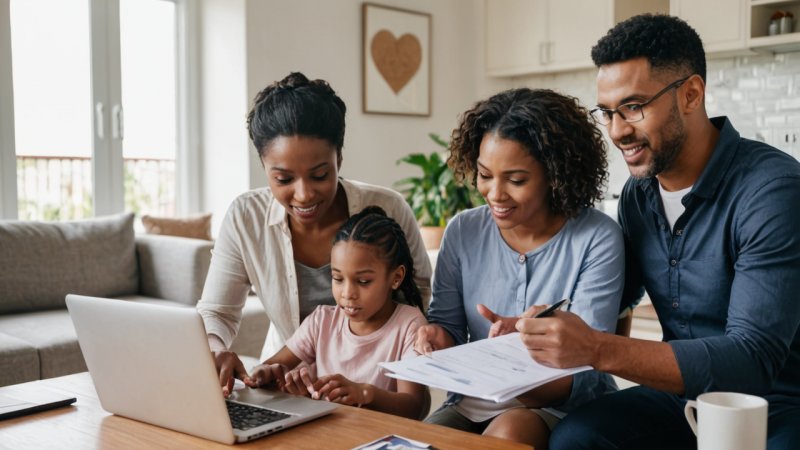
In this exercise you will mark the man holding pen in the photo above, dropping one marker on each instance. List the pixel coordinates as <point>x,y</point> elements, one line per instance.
<point>712,229</point>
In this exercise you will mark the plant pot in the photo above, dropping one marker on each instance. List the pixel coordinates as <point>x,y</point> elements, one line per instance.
<point>432,237</point>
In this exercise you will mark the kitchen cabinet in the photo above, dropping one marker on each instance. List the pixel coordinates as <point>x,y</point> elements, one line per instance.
<point>761,11</point>
<point>546,36</point>
<point>721,24</point>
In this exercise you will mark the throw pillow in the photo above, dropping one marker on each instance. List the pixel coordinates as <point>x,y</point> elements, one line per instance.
<point>197,227</point>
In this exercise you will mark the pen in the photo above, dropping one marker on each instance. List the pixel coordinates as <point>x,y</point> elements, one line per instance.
<point>550,309</point>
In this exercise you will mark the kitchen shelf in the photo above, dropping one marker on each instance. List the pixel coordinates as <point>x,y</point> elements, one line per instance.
<point>761,12</point>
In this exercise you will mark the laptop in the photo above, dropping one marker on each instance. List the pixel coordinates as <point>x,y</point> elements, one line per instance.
<point>152,363</point>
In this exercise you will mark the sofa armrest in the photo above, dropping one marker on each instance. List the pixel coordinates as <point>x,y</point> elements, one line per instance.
<point>172,268</point>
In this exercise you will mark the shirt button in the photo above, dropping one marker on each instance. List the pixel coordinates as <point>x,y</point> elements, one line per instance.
<point>678,232</point>
<point>521,259</point>
<point>675,305</point>
<point>673,262</point>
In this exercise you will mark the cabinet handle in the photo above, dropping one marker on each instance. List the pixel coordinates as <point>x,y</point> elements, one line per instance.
<point>550,47</point>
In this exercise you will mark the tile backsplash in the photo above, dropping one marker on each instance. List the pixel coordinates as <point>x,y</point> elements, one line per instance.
<point>759,93</point>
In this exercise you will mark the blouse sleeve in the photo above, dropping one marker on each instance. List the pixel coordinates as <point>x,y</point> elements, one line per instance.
<point>227,284</point>
<point>447,305</point>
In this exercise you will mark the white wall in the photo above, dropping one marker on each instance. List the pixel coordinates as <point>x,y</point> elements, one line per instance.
<point>223,92</point>
<point>323,40</point>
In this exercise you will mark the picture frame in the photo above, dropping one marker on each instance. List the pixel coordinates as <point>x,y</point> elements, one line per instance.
<point>396,61</point>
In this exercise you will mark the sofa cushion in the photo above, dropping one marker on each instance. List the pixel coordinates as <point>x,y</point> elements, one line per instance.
<point>52,333</point>
<point>196,227</point>
<point>42,262</point>
<point>19,361</point>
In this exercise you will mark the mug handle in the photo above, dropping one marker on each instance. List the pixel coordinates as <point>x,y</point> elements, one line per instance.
<point>687,411</point>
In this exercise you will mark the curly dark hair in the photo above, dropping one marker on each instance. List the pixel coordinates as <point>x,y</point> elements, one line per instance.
<point>372,226</point>
<point>296,106</point>
<point>557,132</point>
<point>667,42</point>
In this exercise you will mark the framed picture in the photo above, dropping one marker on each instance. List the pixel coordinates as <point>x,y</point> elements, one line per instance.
<point>396,60</point>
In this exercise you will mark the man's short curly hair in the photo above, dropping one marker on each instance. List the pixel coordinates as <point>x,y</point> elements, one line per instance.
<point>667,42</point>
<point>557,132</point>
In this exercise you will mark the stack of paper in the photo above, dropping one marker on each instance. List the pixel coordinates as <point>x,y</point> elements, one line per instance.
<point>496,369</point>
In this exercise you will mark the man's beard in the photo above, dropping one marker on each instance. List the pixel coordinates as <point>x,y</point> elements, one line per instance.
<point>674,136</point>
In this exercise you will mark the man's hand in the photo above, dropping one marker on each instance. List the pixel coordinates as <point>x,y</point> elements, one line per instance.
<point>562,340</point>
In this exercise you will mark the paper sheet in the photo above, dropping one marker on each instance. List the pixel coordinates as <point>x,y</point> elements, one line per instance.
<point>496,369</point>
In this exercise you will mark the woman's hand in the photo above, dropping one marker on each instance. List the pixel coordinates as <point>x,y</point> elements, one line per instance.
<point>338,389</point>
<point>229,366</point>
<point>264,374</point>
<point>504,325</point>
<point>430,338</point>
<point>299,381</point>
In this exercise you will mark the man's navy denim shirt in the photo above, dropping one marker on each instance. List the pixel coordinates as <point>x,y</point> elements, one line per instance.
<point>725,281</point>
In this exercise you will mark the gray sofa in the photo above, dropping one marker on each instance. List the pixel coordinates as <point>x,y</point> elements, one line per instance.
<point>41,262</point>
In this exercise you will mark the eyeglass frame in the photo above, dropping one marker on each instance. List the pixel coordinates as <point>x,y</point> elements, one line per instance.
<point>608,113</point>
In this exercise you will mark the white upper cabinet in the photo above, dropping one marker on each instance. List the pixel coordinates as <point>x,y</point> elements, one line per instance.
<point>545,36</point>
<point>721,24</point>
<point>534,36</point>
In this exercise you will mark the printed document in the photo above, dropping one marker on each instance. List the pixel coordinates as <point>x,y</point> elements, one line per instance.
<point>496,369</point>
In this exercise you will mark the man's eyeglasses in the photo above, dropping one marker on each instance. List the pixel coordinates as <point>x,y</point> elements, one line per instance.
<point>631,112</point>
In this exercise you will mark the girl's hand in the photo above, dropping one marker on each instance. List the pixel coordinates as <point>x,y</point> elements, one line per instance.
<point>338,389</point>
<point>299,381</point>
<point>264,374</point>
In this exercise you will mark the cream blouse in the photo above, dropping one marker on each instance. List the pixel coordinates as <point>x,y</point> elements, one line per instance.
<point>255,247</point>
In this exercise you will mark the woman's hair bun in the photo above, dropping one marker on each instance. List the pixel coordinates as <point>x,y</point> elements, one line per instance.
<point>293,80</point>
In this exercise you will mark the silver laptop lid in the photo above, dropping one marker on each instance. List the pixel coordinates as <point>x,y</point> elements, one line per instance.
<point>146,364</point>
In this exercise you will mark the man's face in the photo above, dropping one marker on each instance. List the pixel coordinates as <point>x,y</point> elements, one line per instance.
<point>649,146</point>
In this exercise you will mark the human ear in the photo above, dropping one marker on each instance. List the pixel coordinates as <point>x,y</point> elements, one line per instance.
<point>397,276</point>
<point>694,94</point>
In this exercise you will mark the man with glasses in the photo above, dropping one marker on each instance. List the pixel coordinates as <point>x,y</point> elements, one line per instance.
<point>712,227</point>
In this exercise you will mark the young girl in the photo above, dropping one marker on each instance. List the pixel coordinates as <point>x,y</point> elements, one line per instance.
<point>370,262</point>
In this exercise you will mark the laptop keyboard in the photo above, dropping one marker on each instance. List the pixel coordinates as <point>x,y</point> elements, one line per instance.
<point>244,417</point>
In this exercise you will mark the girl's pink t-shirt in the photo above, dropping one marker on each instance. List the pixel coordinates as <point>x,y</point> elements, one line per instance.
<point>324,337</point>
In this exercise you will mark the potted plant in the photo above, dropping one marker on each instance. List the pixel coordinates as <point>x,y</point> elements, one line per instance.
<point>435,196</point>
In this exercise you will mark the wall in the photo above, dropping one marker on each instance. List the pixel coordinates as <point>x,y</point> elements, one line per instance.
<point>323,40</point>
<point>223,93</point>
<point>760,94</point>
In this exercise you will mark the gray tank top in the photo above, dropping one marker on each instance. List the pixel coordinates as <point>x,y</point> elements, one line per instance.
<point>313,287</point>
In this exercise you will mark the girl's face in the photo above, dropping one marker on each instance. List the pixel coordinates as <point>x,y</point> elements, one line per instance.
<point>512,181</point>
<point>303,175</point>
<point>362,285</point>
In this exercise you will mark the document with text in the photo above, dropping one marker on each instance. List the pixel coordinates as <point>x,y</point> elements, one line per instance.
<point>496,369</point>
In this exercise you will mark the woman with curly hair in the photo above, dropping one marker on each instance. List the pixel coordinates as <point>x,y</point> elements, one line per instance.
<point>540,163</point>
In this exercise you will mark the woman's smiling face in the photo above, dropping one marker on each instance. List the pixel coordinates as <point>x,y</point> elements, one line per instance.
<point>303,174</point>
<point>512,181</point>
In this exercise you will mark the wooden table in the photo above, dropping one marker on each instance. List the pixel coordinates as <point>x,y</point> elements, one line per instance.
<point>86,425</point>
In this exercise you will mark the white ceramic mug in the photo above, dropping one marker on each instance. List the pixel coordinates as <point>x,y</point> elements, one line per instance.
<point>728,421</point>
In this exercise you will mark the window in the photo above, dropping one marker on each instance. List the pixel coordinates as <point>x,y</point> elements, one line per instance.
<point>97,118</point>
